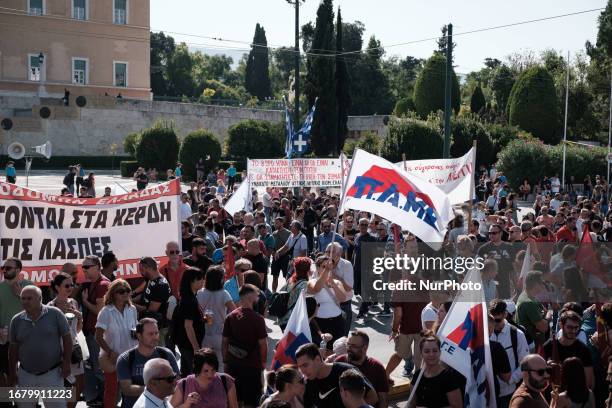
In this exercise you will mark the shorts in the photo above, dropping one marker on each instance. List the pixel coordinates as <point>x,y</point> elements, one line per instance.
<point>4,363</point>
<point>278,265</point>
<point>404,344</point>
<point>248,382</point>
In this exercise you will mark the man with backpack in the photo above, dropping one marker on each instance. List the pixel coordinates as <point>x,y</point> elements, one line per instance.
<point>131,363</point>
<point>514,342</point>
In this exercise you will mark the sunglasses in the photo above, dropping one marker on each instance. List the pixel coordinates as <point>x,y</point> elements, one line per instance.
<point>542,371</point>
<point>174,252</point>
<point>86,267</point>
<point>169,379</point>
<point>493,232</point>
<point>122,291</point>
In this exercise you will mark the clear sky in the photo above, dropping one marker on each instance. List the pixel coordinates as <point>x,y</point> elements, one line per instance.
<point>392,21</point>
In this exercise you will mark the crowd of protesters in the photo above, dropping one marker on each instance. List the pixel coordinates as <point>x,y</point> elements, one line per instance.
<point>193,331</point>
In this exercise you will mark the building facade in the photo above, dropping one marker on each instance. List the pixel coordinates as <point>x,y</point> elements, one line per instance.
<point>88,47</point>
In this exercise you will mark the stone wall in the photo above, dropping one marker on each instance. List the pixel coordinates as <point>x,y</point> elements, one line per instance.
<point>90,131</point>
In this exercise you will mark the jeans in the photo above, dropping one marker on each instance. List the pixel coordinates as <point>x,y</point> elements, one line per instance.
<point>94,379</point>
<point>51,379</point>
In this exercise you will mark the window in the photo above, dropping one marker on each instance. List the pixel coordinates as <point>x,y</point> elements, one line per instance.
<point>79,71</point>
<point>33,68</point>
<point>35,7</point>
<point>120,11</point>
<point>120,72</point>
<point>79,9</point>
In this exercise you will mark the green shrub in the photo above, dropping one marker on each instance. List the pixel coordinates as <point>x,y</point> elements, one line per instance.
<point>478,101</point>
<point>429,87</point>
<point>501,135</point>
<point>403,106</point>
<point>158,148</point>
<point>465,130</point>
<point>255,140</point>
<point>63,162</point>
<point>580,161</point>
<point>130,143</point>
<point>128,168</point>
<point>417,138</point>
<point>369,141</point>
<point>532,105</point>
<point>199,144</point>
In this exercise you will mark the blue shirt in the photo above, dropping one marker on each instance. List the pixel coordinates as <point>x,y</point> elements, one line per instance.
<point>231,171</point>
<point>217,257</point>
<point>10,171</point>
<point>82,172</point>
<point>323,240</point>
<point>178,172</point>
<point>232,288</point>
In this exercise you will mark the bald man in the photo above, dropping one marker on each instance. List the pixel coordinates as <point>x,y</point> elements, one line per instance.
<point>40,341</point>
<point>536,375</point>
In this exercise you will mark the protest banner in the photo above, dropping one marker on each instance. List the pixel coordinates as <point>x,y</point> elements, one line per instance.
<point>294,173</point>
<point>45,231</point>
<point>452,176</point>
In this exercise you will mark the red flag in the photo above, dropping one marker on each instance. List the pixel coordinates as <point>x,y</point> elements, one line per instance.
<point>230,261</point>
<point>587,260</point>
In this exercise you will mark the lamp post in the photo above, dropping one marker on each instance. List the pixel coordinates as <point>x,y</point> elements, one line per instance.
<point>296,3</point>
<point>42,74</point>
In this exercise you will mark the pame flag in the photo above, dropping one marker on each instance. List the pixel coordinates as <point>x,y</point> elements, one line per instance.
<point>378,186</point>
<point>296,333</point>
<point>464,335</point>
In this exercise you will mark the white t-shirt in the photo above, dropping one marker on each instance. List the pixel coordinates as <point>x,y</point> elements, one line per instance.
<point>344,270</point>
<point>555,204</point>
<point>185,211</point>
<point>555,184</point>
<point>117,327</point>
<point>301,245</point>
<point>327,305</point>
<point>429,314</point>
<point>267,200</point>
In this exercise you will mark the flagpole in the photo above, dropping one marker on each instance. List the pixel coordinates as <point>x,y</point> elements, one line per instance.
<point>404,160</point>
<point>472,186</point>
<point>565,125</point>
<point>343,194</point>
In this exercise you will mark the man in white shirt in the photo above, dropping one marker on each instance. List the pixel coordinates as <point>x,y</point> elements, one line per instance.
<point>555,203</point>
<point>555,184</point>
<point>296,242</point>
<point>429,315</point>
<point>514,342</point>
<point>343,271</point>
<point>185,207</point>
<point>160,381</point>
<point>268,204</point>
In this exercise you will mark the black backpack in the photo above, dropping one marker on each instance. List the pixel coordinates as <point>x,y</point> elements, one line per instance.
<point>279,302</point>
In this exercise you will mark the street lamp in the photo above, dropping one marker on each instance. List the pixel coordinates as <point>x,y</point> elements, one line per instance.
<point>297,59</point>
<point>41,73</point>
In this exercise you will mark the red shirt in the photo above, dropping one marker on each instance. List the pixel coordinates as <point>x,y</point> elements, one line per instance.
<point>244,328</point>
<point>411,317</point>
<point>96,291</point>
<point>372,370</point>
<point>566,234</point>
<point>174,277</point>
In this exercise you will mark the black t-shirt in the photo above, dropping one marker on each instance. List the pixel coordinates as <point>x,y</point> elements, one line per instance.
<point>576,349</point>
<point>157,290</point>
<point>186,242</point>
<point>235,229</point>
<point>500,361</point>
<point>503,254</point>
<point>187,309</point>
<point>431,392</point>
<point>325,392</point>
<point>260,264</point>
<point>203,262</point>
<point>141,181</point>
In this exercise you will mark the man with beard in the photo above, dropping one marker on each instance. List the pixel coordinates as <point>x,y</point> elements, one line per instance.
<point>10,305</point>
<point>198,256</point>
<point>536,375</point>
<point>257,258</point>
<point>502,253</point>
<point>357,355</point>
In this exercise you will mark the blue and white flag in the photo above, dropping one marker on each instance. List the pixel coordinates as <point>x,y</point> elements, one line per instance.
<point>289,131</point>
<point>302,137</point>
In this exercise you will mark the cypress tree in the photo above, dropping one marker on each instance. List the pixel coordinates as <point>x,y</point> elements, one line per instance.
<point>257,76</point>
<point>478,100</point>
<point>321,82</point>
<point>343,88</point>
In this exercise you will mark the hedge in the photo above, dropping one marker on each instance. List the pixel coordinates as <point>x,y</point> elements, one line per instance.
<point>158,148</point>
<point>464,131</point>
<point>429,87</point>
<point>256,140</point>
<point>529,158</point>
<point>63,162</point>
<point>130,143</point>
<point>128,168</point>
<point>199,144</point>
<point>417,138</point>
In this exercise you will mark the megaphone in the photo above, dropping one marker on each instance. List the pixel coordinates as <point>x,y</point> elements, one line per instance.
<point>16,151</point>
<point>44,149</point>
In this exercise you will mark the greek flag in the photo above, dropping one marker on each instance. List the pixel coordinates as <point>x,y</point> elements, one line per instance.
<point>289,131</point>
<point>302,137</point>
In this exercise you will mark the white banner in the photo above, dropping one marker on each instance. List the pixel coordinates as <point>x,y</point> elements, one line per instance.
<point>240,200</point>
<point>294,173</point>
<point>378,186</point>
<point>453,176</point>
<point>46,231</point>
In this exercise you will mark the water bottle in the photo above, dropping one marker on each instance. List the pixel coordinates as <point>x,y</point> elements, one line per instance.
<point>323,344</point>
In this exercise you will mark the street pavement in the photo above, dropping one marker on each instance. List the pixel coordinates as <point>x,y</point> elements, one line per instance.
<point>378,328</point>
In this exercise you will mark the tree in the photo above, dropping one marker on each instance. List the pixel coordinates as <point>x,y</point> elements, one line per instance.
<point>130,143</point>
<point>501,85</point>
<point>257,79</point>
<point>320,82</point>
<point>467,129</point>
<point>417,138</point>
<point>443,41</point>
<point>180,69</point>
<point>199,144</point>
<point>352,38</point>
<point>532,105</point>
<point>429,87</point>
<point>256,140</point>
<point>158,147</point>
<point>478,100</point>
<point>492,63</point>
<point>162,49</point>
<point>343,88</point>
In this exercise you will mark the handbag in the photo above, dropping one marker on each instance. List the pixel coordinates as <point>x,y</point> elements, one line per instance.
<point>77,354</point>
<point>237,351</point>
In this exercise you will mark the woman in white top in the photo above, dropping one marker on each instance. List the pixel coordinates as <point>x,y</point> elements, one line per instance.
<point>63,286</point>
<point>329,294</point>
<point>115,333</point>
<point>215,303</point>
